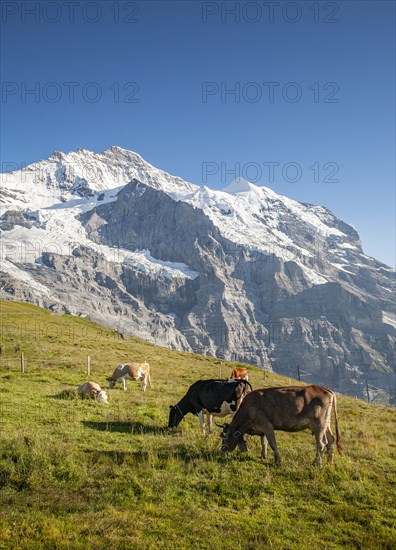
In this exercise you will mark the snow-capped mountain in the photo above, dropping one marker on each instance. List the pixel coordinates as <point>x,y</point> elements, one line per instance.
<point>63,177</point>
<point>242,273</point>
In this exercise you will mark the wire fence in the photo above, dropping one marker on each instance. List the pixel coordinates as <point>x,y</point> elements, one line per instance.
<point>381,388</point>
<point>23,364</point>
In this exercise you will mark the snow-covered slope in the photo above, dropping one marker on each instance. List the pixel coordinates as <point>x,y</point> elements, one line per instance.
<point>58,189</point>
<point>53,193</point>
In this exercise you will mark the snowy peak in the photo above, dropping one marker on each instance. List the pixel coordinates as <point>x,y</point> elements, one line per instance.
<point>243,212</point>
<point>240,185</point>
<point>83,173</point>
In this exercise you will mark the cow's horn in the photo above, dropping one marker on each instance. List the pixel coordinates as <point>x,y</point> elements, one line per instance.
<point>222,426</point>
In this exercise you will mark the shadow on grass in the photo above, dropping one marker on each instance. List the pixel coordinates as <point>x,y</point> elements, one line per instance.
<point>182,454</point>
<point>187,454</point>
<point>69,394</point>
<point>125,427</point>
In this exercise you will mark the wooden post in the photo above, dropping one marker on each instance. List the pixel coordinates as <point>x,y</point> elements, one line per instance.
<point>220,369</point>
<point>89,365</point>
<point>265,376</point>
<point>22,362</point>
<point>298,372</point>
<point>367,391</point>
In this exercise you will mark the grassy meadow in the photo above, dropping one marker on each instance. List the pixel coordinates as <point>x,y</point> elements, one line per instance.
<point>75,474</point>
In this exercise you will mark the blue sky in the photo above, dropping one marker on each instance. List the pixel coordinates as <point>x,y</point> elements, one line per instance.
<point>157,78</point>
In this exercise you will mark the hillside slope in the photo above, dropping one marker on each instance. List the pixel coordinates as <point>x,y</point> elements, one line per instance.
<point>75,474</point>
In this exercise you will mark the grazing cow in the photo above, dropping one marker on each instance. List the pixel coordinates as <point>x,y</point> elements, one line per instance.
<point>240,372</point>
<point>91,389</point>
<point>210,397</point>
<point>132,371</point>
<point>289,409</point>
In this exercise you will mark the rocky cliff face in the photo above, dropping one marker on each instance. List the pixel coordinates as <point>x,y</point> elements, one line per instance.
<point>242,274</point>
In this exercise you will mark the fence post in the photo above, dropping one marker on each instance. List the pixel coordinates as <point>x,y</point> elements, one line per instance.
<point>89,365</point>
<point>221,362</point>
<point>22,362</point>
<point>298,372</point>
<point>367,391</point>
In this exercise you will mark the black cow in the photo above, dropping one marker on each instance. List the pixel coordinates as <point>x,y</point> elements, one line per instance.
<point>211,397</point>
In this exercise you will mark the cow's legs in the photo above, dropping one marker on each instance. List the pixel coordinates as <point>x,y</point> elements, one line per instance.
<point>321,441</point>
<point>264,446</point>
<point>144,383</point>
<point>272,441</point>
<point>329,444</point>
<point>124,383</point>
<point>209,423</point>
<point>202,420</point>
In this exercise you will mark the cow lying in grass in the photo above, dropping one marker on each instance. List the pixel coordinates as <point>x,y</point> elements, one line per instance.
<point>240,372</point>
<point>93,390</point>
<point>132,371</point>
<point>289,409</point>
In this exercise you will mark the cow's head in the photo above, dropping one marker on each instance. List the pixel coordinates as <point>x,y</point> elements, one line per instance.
<point>111,382</point>
<point>102,397</point>
<point>175,416</point>
<point>231,438</point>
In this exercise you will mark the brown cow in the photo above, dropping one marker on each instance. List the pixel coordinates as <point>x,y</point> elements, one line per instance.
<point>133,371</point>
<point>289,409</point>
<point>240,373</point>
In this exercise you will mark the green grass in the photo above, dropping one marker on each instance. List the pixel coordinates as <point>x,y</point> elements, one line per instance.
<point>76,474</point>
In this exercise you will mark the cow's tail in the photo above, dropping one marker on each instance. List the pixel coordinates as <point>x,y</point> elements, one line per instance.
<point>340,448</point>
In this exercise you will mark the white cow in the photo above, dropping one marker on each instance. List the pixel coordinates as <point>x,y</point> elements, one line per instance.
<point>132,371</point>
<point>91,389</point>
